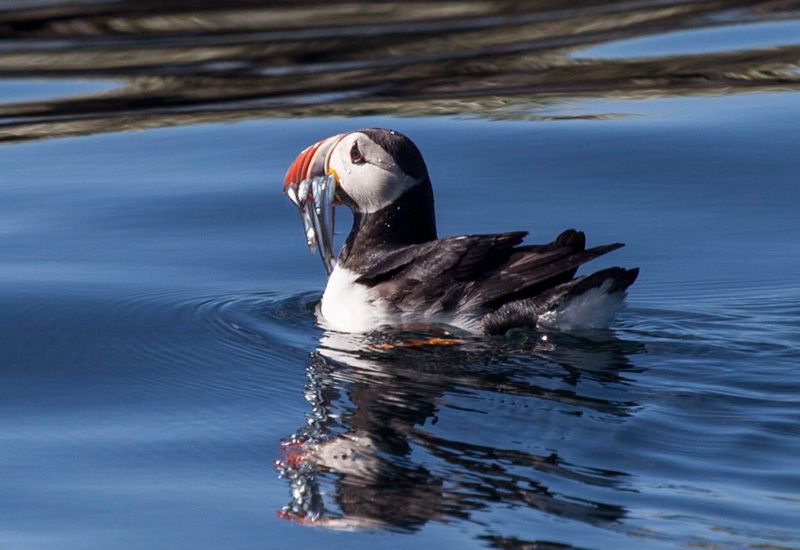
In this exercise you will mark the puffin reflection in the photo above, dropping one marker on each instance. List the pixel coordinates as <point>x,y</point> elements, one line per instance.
<point>373,454</point>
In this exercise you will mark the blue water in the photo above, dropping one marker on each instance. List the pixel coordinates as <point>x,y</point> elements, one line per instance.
<point>165,384</point>
<point>34,89</point>
<point>725,38</point>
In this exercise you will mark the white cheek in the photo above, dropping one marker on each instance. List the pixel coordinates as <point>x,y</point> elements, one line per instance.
<point>371,188</point>
<point>370,193</point>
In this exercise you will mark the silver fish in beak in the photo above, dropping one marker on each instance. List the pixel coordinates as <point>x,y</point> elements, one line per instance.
<point>313,191</point>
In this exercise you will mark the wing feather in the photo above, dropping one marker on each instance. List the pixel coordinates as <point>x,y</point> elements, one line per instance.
<point>458,255</point>
<point>479,270</point>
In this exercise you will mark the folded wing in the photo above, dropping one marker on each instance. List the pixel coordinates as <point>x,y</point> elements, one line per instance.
<point>476,271</point>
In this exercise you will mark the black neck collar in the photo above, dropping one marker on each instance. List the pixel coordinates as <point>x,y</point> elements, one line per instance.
<point>408,220</point>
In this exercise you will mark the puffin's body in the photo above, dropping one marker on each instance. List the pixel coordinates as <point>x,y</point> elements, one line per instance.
<point>394,270</point>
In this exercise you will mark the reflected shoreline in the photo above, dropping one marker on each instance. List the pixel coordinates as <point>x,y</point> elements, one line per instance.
<point>202,62</point>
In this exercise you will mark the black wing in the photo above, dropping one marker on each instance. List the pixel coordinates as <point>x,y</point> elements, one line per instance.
<point>479,270</point>
<point>454,258</point>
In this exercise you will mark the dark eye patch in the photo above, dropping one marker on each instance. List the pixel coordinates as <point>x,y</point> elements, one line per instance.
<point>356,157</point>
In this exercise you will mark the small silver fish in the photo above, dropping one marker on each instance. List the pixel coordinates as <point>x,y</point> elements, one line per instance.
<point>323,209</point>
<point>308,229</point>
<point>314,197</point>
<point>291,192</point>
<point>303,192</point>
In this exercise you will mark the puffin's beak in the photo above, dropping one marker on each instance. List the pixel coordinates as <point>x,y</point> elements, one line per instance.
<point>311,185</point>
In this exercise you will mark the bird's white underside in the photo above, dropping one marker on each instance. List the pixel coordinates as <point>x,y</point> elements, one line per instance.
<point>348,306</point>
<point>595,308</point>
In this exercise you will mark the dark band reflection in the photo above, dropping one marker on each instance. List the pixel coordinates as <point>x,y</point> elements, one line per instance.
<point>374,454</point>
<point>168,63</point>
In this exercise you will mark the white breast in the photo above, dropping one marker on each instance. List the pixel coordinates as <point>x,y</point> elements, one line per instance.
<point>349,306</point>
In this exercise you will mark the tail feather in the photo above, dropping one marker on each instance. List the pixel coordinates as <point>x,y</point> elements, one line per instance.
<point>570,238</point>
<point>620,278</point>
<point>590,301</point>
<point>537,273</point>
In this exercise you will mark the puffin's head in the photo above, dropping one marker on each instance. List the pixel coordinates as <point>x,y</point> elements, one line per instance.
<point>371,168</point>
<point>379,174</point>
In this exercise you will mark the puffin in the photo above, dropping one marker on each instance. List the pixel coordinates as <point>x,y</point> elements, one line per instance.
<point>394,270</point>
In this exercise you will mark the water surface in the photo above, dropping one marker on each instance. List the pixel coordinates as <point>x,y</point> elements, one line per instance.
<point>166,385</point>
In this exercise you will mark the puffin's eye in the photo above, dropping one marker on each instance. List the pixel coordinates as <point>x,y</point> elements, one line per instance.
<point>355,154</point>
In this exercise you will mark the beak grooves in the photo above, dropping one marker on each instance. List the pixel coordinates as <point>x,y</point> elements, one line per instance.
<point>313,190</point>
<point>298,171</point>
